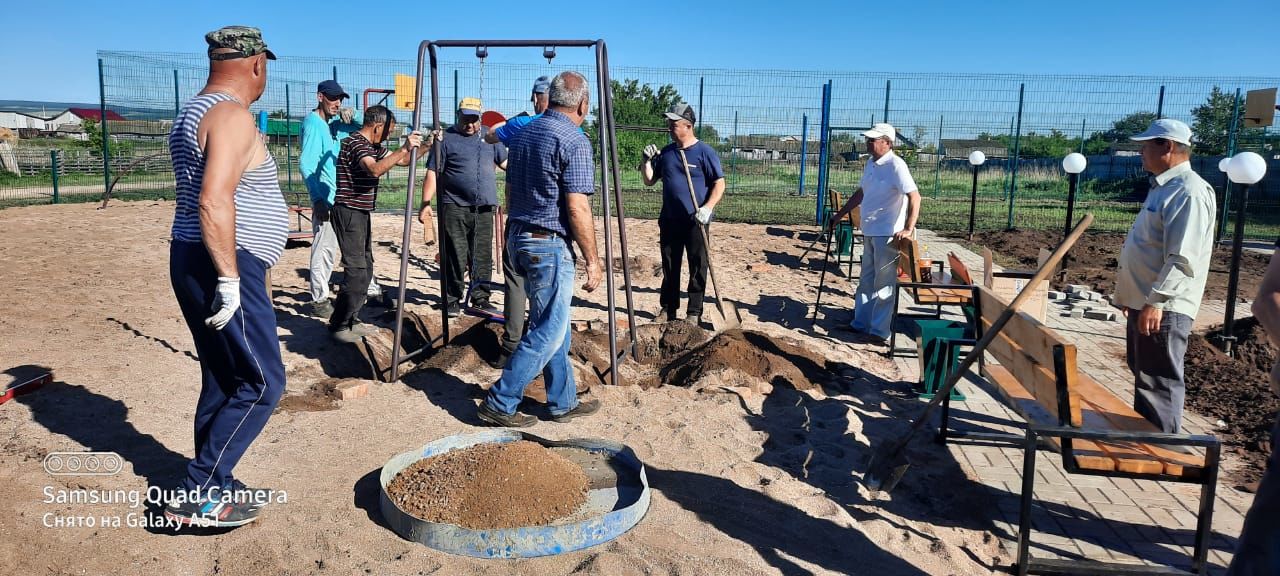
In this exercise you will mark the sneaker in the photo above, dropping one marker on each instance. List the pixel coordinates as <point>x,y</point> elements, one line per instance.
<point>257,496</point>
<point>211,513</point>
<point>322,309</point>
<point>496,418</point>
<point>346,335</point>
<point>454,311</point>
<point>584,408</point>
<point>695,319</point>
<point>487,309</point>
<point>663,316</point>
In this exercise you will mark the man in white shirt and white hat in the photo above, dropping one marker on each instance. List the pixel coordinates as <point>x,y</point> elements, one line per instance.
<point>890,206</point>
<point>1162,272</point>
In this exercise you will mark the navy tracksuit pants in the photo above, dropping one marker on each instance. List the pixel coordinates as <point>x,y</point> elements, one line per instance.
<point>242,375</point>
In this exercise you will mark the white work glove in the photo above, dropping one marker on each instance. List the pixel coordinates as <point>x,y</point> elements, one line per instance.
<point>650,152</point>
<point>703,215</point>
<point>225,302</point>
<point>346,114</point>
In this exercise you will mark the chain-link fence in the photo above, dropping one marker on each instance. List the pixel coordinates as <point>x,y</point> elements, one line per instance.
<point>766,124</point>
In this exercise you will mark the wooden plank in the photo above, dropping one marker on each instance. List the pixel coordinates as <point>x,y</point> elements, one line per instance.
<point>1038,378</point>
<point>1115,413</point>
<point>1087,454</point>
<point>942,295</point>
<point>1036,340</point>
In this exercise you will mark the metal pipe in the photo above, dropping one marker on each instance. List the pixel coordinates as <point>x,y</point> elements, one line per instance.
<point>53,171</point>
<point>408,208</point>
<point>1160,104</point>
<point>973,201</point>
<point>937,166</point>
<point>1231,151</point>
<point>622,221</point>
<point>1073,180</point>
<point>1233,281</point>
<point>886,100</point>
<point>606,176</point>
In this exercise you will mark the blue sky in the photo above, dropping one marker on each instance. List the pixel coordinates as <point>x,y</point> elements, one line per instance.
<point>51,55</point>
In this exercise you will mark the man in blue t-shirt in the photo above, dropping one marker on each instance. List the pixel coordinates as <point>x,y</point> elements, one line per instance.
<point>504,131</point>
<point>683,161</point>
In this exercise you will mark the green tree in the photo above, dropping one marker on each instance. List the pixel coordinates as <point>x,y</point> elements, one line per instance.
<point>93,140</point>
<point>639,105</point>
<point>1134,123</point>
<point>1212,126</point>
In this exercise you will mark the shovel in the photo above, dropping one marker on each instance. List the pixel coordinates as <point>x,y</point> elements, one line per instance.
<point>728,311</point>
<point>887,465</point>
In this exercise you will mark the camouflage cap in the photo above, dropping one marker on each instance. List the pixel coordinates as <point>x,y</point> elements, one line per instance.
<point>246,41</point>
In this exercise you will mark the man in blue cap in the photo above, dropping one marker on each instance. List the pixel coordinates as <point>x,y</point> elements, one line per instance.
<point>504,131</point>
<point>1162,271</point>
<point>322,130</point>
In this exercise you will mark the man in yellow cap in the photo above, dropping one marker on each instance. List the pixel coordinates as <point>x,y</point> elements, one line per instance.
<point>464,167</point>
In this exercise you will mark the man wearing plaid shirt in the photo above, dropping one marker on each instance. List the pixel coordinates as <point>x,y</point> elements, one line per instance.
<point>551,180</point>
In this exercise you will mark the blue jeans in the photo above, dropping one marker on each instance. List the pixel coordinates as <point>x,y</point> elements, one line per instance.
<point>873,302</point>
<point>546,265</point>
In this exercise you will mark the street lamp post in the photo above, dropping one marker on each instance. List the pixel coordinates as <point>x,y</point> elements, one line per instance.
<point>1246,169</point>
<point>1073,164</point>
<point>976,159</point>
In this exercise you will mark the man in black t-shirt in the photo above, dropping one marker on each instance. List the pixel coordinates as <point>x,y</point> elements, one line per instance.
<point>362,160</point>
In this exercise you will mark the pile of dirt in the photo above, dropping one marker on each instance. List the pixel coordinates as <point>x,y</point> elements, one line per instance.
<point>1095,257</point>
<point>640,266</point>
<point>1237,392</point>
<point>751,359</point>
<point>487,486</point>
<point>319,397</point>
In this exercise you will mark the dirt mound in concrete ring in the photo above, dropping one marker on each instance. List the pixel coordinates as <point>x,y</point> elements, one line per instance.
<point>1236,391</point>
<point>750,359</point>
<point>487,486</point>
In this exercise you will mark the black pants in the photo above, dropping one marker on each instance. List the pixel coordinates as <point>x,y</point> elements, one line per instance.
<point>468,247</point>
<point>1258,552</point>
<point>677,237</point>
<point>355,242</point>
<point>1156,361</point>
<point>514,302</point>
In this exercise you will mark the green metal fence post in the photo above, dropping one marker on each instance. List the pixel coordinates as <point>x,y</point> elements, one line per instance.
<point>1082,123</point>
<point>886,100</point>
<point>701,112</point>
<point>288,134</point>
<point>733,156</point>
<point>102,109</point>
<point>1160,104</point>
<point>335,72</point>
<point>937,162</point>
<point>1017,143</point>
<point>177,104</point>
<point>53,169</point>
<point>455,89</point>
<point>1231,151</point>
<point>1004,186</point>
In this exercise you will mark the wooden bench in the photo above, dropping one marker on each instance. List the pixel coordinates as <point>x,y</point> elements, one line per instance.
<point>1096,432</point>
<point>934,292</point>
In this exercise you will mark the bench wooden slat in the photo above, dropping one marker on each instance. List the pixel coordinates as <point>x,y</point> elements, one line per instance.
<point>1121,416</point>
<point>1036,378</point>
<point>1036,340</point>
<point>1087,454</point>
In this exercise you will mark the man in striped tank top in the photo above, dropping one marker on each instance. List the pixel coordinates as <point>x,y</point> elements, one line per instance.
<point>229,228</point>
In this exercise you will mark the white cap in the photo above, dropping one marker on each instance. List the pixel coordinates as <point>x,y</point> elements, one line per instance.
<point>882,130</point>
<point>1166,128</point>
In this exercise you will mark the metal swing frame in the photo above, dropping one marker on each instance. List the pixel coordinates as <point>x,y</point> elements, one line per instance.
<point>610,174</point>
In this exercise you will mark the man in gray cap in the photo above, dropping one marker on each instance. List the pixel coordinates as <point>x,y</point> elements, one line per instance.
<point>229,228</point>
<point>1162,272</point>
<point>685,162</point>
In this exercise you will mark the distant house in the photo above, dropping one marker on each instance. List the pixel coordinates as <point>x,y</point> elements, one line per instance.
<point>95,114</point>
<point>951,148</point>
<point>785,148</point>
<point>1125,149</point>
<point>25,123</point>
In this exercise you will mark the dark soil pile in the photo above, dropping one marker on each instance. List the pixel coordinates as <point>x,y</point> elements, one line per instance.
<point>1237,392</point>
<point>750,354</point>
<point>1095,257</point>
<point>319,397</point>
<point>487,486</point>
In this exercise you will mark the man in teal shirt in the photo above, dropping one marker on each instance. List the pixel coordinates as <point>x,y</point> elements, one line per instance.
<point>322,129</point>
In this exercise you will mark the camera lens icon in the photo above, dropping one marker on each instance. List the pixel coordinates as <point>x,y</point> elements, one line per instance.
<point>83,463</point>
